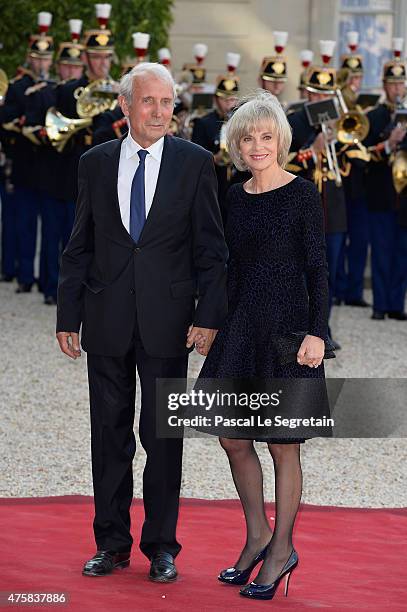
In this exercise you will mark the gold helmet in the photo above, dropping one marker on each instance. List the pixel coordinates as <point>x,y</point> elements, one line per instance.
<point>140,45</point>
<point>322,79</point>
<point>394,71</point>
<point>227,85</point>
<point>42,45</point>
<point>352,61</point>
<point>100,40</point>
<point>197,71</point>
<point>164,57</point>
<point>70,52</point>
<point>274,67</point>
<point>306,57</point>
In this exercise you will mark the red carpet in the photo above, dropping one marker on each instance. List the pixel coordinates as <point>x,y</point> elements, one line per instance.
<point>350,559</point>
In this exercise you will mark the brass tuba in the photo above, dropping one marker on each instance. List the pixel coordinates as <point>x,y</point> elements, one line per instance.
<point>353,126</point>
<point>399,171</point>
<point>60,129</point>
<point>3,85</point>
<point>398,159</point>
<point>225,157</point>
<point>97,97</point>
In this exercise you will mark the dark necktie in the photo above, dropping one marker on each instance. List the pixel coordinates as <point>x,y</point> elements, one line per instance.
<point>138,199</point>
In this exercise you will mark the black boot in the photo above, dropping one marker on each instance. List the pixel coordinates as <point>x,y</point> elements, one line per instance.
<point>397,314</point>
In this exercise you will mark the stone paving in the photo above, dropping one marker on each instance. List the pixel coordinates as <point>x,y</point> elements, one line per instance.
<point>44,426</point>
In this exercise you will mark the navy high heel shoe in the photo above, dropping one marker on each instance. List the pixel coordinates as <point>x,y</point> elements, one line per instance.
<point>239,577</point>
<point>267,591</point>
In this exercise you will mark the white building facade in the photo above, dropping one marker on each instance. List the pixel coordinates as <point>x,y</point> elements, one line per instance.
<point>245,26</point>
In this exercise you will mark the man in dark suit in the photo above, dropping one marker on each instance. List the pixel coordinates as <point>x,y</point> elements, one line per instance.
<point>147,239</point>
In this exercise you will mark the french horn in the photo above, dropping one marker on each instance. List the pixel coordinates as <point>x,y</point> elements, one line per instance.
<point>3,85</point>
<point>399,171</point>
<point>60,129</point>
<point>97,97</point>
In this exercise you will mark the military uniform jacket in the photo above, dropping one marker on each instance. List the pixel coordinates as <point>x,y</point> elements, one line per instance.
<point>206,132</point>
<point>108,126</point>
<point>17,147</point>
<point>381,195</point>
<point>38,99</point>
<point>333,197</point>
<point>78,144</point>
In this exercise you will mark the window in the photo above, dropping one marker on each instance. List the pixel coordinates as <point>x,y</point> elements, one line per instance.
<point>373,19</point>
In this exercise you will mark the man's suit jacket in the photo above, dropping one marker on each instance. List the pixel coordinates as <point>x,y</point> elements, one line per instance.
<point>106,278</point>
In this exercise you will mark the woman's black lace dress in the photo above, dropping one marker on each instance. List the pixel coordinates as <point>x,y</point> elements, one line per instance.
<point>277,281</point>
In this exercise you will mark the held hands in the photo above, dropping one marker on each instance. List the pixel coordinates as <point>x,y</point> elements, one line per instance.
<point>311,351</point>
<point>70,348</point>
<point>202,337</point>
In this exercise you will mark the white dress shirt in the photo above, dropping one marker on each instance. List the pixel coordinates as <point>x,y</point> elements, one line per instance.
<point>128,164</point>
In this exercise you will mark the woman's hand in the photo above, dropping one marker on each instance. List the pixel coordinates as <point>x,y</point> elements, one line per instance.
<point>202,337</point>
<point>311,352</point>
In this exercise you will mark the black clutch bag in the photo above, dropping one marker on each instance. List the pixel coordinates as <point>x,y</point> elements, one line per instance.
<point>287,347</point>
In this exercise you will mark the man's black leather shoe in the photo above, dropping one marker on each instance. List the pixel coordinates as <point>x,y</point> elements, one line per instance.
<point>104,562</point>
<point>163,568</point>
<point>49,300</point>
<point>396,314</point>
<point>377,315</point>
<point>359,303</point>
<point>24,288</point>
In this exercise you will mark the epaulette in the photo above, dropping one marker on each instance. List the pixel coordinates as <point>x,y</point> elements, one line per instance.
<point>17,78</point>
<point>65,81</point>
<point>35,88</point>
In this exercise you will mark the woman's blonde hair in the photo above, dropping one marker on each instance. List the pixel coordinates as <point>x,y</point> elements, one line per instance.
<point>259,107</point>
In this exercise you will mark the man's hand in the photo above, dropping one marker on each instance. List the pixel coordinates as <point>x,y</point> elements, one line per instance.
<point>396,136</point>
<point>70,348</point>
<point>202,337</point>
<point>320,142</point>
<point>311,352</point>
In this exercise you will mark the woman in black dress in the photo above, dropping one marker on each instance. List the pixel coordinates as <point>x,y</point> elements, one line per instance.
<point>275,237</point>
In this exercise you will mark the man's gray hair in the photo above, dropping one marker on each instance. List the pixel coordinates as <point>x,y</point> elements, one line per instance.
<point>153,69</point>
<point>258,108</point>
